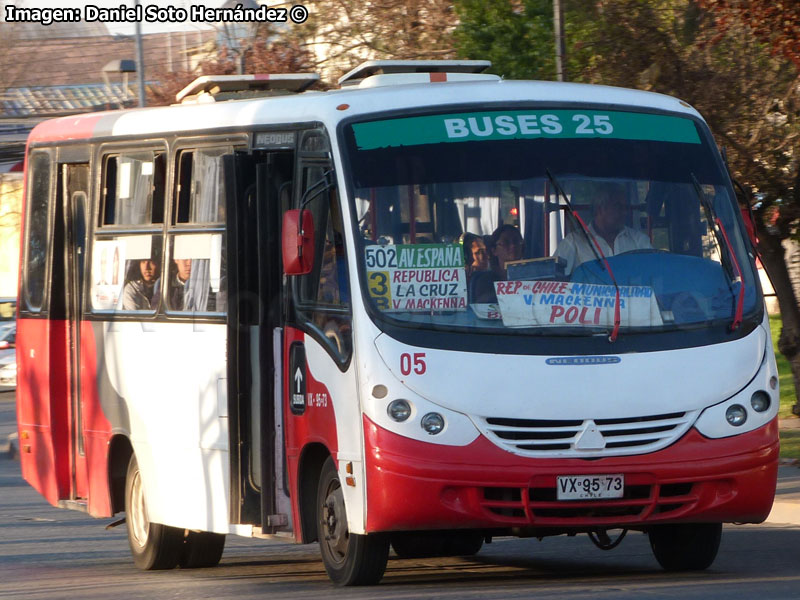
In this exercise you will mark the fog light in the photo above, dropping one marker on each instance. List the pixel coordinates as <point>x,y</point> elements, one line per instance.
<point>760,401</point>
<point>433,423</point>
<point>399,410</point>
<point>736,415</point>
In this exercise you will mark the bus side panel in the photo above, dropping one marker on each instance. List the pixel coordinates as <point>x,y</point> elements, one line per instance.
<point>42,411</point>
<point>163,384</point>
<point>316,424</point>
<point>97,427</point>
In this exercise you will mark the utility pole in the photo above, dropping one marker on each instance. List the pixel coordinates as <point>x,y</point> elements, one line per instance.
<point>558,27</point>
<point>140,61</point>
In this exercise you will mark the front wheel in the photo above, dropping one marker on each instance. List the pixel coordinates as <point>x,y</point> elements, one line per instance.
<point>153,546</point>
<point>350,559</point>
<point>685,547</point>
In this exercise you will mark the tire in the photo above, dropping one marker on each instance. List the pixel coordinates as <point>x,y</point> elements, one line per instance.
<point>153,546</point>
<point>685,547</point>
<point>349,559</point>
<point>202,549</point>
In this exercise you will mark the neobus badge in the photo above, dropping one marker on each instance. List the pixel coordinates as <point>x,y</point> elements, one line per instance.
<point>278,140</point>
<point>584,360</point>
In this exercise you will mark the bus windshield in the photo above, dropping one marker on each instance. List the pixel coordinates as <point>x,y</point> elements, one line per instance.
<point>565,222</point>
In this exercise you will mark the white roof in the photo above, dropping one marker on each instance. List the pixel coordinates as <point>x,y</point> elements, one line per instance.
<point>333,106</point>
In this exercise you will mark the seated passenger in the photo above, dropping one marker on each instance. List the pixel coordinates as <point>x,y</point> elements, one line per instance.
<point>475,256</point>
<point>608,229</point>
<point>188,293</point>
<point>507,245</point>
<point>138,292</point>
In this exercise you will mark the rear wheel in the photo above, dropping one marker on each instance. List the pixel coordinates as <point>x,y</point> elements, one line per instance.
<point>350,559</point>
<point>685,547</point>
<point>153,546</point>
<point>202,549</point>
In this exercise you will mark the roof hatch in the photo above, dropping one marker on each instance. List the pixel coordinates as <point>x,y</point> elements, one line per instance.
<point>375,73</point>
<point>215,88</point>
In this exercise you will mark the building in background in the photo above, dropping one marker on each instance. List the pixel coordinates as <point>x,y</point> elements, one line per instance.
<point>63,69</point>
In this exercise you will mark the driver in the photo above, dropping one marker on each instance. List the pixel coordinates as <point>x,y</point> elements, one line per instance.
<point>608,229</point>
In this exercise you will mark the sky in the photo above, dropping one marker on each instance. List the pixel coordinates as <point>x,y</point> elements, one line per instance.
<point>126,28</point>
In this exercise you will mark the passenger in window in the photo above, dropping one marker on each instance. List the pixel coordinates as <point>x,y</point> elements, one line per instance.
<point>141,283</point>
<point>191,292</point>
<point>476,258</point>
<point>507,245</point>
<point>608,228</point>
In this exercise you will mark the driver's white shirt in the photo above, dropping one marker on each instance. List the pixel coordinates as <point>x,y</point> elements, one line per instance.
<point>575,249</point>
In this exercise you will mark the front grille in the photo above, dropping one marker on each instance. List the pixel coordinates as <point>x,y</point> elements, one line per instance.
<point>537,504</point>
<point>586,438</point>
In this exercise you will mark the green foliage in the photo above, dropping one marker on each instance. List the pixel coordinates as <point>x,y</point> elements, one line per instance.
<point>790,443</point>
<point>784,371</point>
<point>516,37</point>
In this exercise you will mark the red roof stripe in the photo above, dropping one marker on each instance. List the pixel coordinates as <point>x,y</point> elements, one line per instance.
<point>78,127</point>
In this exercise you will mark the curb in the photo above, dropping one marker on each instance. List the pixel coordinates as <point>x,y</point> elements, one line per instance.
<point>789,461</point>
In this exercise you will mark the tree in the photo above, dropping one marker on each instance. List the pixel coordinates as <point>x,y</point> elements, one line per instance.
<point>345,32</point>
<point>262,56</point>
<point>516,36</point>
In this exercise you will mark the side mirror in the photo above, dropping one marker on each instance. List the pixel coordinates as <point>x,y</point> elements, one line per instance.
<point>297,241</point>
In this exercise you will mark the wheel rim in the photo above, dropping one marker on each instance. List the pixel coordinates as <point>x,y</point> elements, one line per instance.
<point>334,523</point>
<point>138,524</point>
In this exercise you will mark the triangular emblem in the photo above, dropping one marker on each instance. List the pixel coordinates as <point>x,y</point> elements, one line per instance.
<point>590,438</point>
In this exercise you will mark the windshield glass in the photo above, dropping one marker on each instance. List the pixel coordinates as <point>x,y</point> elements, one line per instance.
<point>557,221</point>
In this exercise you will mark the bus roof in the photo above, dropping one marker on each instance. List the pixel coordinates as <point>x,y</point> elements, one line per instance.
<point>330,107</point>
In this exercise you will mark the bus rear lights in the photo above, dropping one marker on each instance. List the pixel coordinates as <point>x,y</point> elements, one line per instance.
<point>399,410</point>
<point>736,415</point>
<point>760,401</point>
<point>432,423</point>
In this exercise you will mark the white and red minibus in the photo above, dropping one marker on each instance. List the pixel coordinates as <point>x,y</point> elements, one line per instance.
<point>394,314</point>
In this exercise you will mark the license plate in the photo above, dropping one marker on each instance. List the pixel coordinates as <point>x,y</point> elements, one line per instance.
<point>589,487</point>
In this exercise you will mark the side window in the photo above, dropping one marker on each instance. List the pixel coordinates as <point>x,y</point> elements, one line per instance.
<point>133,189</point>
<point>38,201</point>
<point>195,268</point>
<point>322,297</point>
<point>126,271</point>
<point>200,189</point>
<point>127,248</point>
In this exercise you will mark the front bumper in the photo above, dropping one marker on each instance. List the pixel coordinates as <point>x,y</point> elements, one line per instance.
<point>415,486</point>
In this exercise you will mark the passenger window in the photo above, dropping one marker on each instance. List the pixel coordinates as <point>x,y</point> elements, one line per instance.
<point>196,280</point>
<point>133,189</point>
<point>126,271</point>
<point>200,188</point>
<point>40,186</point>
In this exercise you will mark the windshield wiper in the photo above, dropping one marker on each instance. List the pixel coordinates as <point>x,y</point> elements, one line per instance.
<point>598,252</point>
<point>730,266</point>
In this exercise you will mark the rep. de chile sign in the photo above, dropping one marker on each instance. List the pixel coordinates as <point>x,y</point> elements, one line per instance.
<point>561,303</point>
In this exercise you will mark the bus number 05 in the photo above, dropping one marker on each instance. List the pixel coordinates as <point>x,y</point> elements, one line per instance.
<point>418,365</point>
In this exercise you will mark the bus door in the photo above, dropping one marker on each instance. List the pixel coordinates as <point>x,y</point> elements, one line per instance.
<point>68,266</point>
<point>256,182</point>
